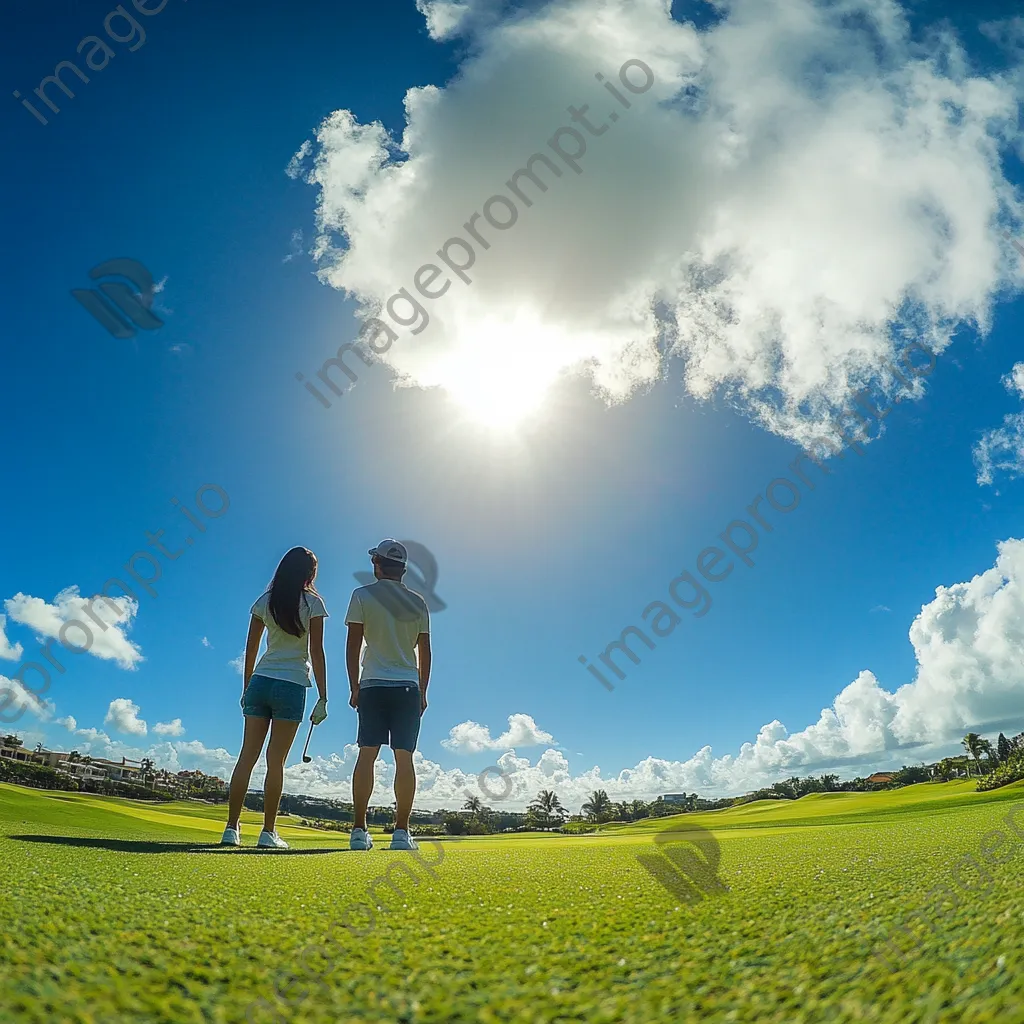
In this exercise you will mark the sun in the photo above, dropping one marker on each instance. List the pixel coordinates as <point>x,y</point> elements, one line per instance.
<point>501,376</point>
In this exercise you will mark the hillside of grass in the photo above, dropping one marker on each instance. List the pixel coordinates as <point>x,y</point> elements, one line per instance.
<point>926,798</point>
<point>125,912</point>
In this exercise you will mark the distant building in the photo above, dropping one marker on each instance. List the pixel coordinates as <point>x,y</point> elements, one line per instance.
<point>880,779</point>
<point>12,751</point>
<point>124,770</point>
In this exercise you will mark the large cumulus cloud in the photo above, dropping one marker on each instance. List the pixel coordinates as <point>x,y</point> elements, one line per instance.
<point>804,190</point>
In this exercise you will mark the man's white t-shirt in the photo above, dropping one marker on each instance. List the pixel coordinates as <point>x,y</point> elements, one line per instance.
<point>287,656</point>
<point>393,616</point>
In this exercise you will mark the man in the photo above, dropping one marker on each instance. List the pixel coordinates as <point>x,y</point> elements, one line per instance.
<point>390,693</point>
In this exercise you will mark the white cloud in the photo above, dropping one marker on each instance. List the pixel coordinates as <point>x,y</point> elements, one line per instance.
<point>123,715</point>
<point>205,642</point>
<point>472,738</point>
<point>1002,449</point>
<point>68,721</point>
<point>238,664</point>
<point>1014,380</point>
<point>794,225</point>
<point>108,641</point>
<point>296,243</point>
<point>172,728</point>
<point>8,651</point>
<point>16,698</point>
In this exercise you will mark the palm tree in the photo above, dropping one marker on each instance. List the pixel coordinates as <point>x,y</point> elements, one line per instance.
<point>597,806</point>
<point>74,757</point>
<point>1003,748</point>
<point>10,740</point>
<point>619,811</point>
<point>972,743</point>
<point>638,809</point>
<point>474,805</point>
<point>546,805</point>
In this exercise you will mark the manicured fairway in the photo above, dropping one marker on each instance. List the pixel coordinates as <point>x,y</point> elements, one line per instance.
<point>118,911</point>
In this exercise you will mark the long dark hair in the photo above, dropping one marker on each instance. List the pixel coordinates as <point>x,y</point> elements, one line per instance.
<point>293,578</point>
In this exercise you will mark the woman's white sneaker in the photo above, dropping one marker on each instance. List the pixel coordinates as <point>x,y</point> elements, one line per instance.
<point>359,839</point>
<point>401,840</point>
<point>271,839</point>
<point>231,837</point>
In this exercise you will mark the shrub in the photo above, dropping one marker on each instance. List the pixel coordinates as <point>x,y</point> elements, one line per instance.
<point>40,776</point>
<point>1011,771</point>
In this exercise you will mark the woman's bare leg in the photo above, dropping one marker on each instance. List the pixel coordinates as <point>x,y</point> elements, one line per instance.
<point>282,734</point>
<point>252,744</point>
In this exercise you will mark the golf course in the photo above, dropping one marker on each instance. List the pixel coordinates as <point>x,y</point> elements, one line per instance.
<point>122,911</point>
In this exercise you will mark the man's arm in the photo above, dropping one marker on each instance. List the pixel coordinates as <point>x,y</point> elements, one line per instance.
<point>423,647</point>
<point>352,648</point>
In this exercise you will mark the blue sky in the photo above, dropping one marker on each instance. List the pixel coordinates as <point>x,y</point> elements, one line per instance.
<point>560,477</point>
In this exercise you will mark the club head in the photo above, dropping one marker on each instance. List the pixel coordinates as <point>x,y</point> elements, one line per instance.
<point>306,759</point>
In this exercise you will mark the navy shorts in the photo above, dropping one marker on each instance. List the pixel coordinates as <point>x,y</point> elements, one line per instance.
<point>389,715</point>
<point>274,698</point>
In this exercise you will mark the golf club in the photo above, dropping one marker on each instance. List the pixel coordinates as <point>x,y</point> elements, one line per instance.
<point>305,756</point>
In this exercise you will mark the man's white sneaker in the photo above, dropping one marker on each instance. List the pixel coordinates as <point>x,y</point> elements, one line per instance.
<point>359,839</point>
<point>271,839</point>
<point>401,840</point>
<point>231,837</point>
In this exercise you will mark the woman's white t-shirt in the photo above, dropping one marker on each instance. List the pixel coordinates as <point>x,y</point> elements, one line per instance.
<point>287,656</point>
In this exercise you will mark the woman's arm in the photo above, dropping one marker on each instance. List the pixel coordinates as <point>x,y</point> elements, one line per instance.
<point>252,648</point>
<point>316,654</point>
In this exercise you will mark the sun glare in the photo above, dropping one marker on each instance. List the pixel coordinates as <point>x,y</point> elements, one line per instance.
<point>502,376</point>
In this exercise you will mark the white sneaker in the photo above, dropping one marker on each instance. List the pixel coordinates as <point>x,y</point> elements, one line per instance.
<point>231,837</point>
<point>359,839</point>
<point>271,839</point>
<point>401,840</point>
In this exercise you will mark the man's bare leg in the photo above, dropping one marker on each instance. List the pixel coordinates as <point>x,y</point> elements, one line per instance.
<point>362,783</point>
<point>405,787</point>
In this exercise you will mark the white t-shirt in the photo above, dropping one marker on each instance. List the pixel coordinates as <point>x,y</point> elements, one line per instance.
<point>287,656</point>
<point>393,616</point>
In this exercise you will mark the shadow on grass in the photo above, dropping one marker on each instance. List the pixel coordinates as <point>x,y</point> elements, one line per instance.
<point>152,846</point>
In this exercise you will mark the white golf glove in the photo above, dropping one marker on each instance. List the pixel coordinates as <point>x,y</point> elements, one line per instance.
<point>319,712</point>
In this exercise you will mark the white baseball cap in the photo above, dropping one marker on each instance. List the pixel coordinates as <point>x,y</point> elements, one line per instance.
<point>392,549</point>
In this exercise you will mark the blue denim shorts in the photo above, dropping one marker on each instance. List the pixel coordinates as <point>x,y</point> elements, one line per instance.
<point>274,698</point>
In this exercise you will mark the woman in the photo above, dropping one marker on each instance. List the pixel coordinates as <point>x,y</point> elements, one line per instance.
<point>274,689</point>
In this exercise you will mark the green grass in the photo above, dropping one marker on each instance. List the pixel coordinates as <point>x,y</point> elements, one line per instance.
<point>120,911</point>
